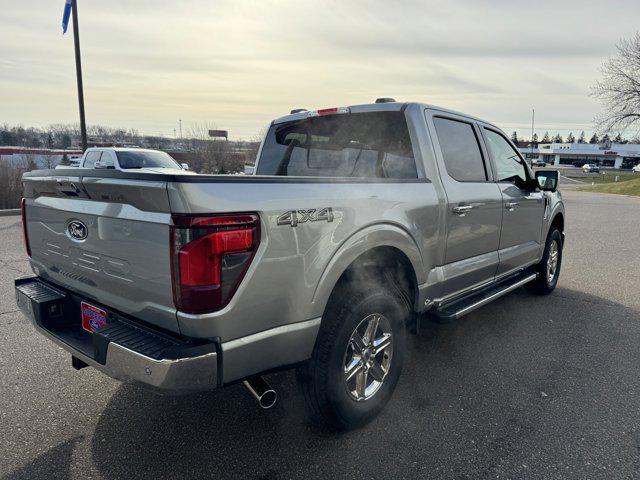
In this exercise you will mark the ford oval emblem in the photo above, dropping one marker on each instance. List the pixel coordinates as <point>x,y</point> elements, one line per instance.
<point>77,230</point>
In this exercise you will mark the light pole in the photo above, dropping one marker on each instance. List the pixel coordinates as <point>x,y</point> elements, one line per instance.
<point>533,117</point>
<point>76,43</point>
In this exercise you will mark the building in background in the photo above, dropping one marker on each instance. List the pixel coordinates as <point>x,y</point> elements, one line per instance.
<point>608,155</point>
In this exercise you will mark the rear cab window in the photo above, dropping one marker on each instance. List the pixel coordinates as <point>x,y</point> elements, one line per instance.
<point>352,145</point>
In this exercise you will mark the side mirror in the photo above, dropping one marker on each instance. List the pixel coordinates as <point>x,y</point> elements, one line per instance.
<point>547,180</point>
<point>185,166</point>
<point>103,165</point>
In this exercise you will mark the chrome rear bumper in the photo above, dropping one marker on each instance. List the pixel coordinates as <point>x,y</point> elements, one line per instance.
<point>179,366</point>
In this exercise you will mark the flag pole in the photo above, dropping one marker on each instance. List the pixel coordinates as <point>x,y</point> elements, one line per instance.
<point>76,43</point>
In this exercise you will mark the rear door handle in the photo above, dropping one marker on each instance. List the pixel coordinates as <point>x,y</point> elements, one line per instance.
<point>511,205</point>
<point>462,209</point>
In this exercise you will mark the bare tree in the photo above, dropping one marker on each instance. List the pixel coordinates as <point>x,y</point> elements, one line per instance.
<point>11,180</point>
<point>619,89</point>
<point>212,155</point>
<point>254,145</point>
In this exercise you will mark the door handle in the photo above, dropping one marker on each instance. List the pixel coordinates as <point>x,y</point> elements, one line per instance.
<point>511,205</point>
<point>462,209</point>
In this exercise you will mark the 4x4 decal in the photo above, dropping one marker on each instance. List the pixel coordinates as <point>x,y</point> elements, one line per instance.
<point>295,217</point>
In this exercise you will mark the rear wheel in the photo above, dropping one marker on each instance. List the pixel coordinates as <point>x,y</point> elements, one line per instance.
<point>549,267</point>
<point>357,359</point>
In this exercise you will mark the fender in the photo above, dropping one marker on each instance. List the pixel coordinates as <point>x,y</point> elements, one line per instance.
<point>378,235</point>
<point>556,206</point>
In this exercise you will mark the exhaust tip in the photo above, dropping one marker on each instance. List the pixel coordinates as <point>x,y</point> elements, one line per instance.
<point>261,391</point>
<point>268,399</point>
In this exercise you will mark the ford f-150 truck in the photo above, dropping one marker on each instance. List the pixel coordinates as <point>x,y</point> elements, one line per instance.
<point>358,223</point>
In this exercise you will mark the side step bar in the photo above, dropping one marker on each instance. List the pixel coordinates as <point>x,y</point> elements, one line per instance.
<point>456,309</point>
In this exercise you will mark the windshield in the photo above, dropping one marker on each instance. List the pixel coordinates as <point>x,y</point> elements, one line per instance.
<point>145,159</point>
<point>362,145</point>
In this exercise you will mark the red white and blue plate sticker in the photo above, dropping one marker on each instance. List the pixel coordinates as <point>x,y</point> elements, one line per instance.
<point>92,317</point>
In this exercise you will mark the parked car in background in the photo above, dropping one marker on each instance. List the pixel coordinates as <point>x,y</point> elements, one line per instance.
<point>538,163</point>
<point>590,168</point>
<point>117,158</point>
<point>636,169</point>
<point>357,220</point>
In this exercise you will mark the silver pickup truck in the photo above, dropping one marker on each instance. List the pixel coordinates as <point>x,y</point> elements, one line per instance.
<point>358,223</point>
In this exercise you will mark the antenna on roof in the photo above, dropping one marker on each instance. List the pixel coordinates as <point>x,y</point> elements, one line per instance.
<point>385,100</point>
<point>298,110</point>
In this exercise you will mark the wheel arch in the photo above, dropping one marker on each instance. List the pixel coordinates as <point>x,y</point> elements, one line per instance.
<point>557,221</point>
<point>377,247</point>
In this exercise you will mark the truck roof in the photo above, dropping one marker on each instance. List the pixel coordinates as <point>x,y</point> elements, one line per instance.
<point>123,149</point>
<point>379,107</point>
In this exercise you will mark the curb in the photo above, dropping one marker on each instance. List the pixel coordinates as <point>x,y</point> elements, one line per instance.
<point>9,212</point>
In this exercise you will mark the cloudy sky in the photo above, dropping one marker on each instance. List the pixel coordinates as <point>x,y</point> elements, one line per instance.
<point>238,64</point>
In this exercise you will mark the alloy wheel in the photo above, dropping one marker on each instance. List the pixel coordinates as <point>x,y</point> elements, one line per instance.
<point>368,357</point>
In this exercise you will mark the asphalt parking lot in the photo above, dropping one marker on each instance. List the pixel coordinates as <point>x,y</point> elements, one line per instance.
<point>527,387</point>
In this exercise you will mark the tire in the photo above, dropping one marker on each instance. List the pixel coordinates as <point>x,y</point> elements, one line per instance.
<point>330,399</point>
<point>548,274</point>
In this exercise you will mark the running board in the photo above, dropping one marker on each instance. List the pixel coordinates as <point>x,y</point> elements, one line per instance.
<point>456,309</point>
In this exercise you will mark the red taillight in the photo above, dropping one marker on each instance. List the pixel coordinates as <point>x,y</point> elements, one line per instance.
<point>210,256</point>
<point>24,227</point>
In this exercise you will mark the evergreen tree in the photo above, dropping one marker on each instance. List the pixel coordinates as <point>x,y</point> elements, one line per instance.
<point>557,138</point>
<point>594,139</point>
<point>514,138</point>
<point>546,138</point>
<point>571,138</point>
<point>49,140</point>
<point>581,138</point>
<point>534,139</point>
<point>618,139</point>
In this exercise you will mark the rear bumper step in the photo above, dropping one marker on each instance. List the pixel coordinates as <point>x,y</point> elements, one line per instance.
<point>458,308</point>
<point>121,349</point>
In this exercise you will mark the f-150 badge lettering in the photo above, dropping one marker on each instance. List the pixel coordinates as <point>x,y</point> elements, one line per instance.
<point>295,217</point>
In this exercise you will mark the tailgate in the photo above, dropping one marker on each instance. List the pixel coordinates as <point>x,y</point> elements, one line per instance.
<point>106,239</point>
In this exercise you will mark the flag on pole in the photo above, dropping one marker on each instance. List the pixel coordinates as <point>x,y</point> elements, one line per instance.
<point>65,16</point>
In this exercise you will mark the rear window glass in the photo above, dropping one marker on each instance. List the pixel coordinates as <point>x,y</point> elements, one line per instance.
<point>146,160</point>
<point>360,145</point>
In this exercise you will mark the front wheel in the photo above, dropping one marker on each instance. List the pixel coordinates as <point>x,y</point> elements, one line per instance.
<point>549,267</point>
<point>357,359</point>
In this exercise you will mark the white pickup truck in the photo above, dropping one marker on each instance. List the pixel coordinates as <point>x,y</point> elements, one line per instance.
<point>118,158</point>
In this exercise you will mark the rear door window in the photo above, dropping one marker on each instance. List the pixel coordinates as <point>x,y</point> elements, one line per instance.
<point>358,145</point>
<point>460,150</point>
